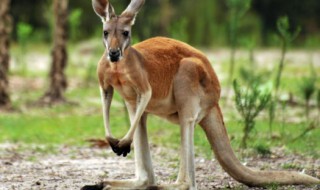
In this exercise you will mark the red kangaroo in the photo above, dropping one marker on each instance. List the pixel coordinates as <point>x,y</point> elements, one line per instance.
<point>175,81</point>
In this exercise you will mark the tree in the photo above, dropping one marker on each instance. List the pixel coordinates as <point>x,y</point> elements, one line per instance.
<point>58,80</point>
<point>5,29</point>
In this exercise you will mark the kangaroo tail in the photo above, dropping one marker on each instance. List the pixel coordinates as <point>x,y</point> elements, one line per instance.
<point>216,133</point>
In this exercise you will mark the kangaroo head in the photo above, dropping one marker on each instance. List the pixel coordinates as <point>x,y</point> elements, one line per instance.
<point>116,29</point>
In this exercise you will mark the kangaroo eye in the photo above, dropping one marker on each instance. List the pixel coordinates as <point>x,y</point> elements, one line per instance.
<point>105,33</point>
<point>125,33</point>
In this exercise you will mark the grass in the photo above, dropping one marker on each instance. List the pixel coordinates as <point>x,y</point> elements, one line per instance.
<point>73,124</point>
<point>70,126</point>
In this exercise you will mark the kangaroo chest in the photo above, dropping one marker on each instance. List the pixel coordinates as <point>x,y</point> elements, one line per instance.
<point>119,78</point>
<point>124,81</point>
<point>116,77</point>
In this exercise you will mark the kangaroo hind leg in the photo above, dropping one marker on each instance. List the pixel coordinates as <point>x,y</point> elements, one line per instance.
<point>188,93</point>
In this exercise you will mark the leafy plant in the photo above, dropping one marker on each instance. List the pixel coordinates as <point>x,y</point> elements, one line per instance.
<point>263,149</point>
<point>24,32</point>
<point>249,103</point>
<point>237,9</point>
<point>286,37</point>
<point>249,74</point>
<point>308,88</point>
<point>273,186</point>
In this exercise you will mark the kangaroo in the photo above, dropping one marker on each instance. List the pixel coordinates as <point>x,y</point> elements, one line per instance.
<point>174,81</point>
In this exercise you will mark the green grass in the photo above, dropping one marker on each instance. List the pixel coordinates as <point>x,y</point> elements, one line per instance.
<point>72,125</point>
<point>48,130</point>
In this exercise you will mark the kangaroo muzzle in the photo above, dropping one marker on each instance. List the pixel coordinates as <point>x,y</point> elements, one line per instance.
<point>114,55</point>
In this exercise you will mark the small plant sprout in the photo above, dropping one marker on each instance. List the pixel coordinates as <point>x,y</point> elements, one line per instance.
<point>249,43</point>
<point>286,37</point>
<point>263,149</point>
<point>249,103</point>
<point>308,88</point>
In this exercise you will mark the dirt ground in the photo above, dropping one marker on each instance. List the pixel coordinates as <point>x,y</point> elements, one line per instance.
<point>25,167</point>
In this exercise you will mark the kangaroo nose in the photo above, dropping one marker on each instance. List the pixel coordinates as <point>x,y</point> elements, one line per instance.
<point>114,54</point>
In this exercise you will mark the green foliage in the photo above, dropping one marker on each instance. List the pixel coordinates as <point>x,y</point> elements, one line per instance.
<point>91,73</point>
<point>312,126</point>
<point>291,166</point>
<point>249,43</point>
<point>178,30</point>
<point>263,149</point>
<point>308,87</point>
<point>312,42</point>
<point>318,99</point>
<point>24,32</point>
<point>273,186</point>
<point>272,114</point>
<point>283,27</point>
<point>237,9</point>
<point>249,103</point>
<point>207,21</point>
<point>249,75</point>
<point>318,105</point>
<point>75,21</point>
<point>287,37</point>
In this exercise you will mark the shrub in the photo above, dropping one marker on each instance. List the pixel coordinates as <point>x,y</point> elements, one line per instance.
<point>249,103</point>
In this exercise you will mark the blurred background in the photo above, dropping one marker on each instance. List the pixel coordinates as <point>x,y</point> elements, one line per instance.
<point>205,23</point>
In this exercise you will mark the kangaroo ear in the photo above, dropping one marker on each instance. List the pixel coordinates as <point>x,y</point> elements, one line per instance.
<point>132,10</point>
<point>103,9</point>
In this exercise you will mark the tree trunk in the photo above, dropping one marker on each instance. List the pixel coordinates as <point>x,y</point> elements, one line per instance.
<point>5,29</point>
<point>58,81</point>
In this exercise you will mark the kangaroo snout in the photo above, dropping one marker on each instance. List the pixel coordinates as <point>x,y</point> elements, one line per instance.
<point>114,55</point>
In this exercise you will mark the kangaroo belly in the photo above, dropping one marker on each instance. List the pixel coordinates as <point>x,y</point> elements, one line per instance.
<point>162,107</point>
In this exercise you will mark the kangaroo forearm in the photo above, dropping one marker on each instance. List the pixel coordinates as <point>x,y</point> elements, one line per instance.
<point>142,103</point>
<point>106,98</point>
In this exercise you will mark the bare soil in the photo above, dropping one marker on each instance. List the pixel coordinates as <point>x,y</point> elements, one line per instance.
<point>24,167</point>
